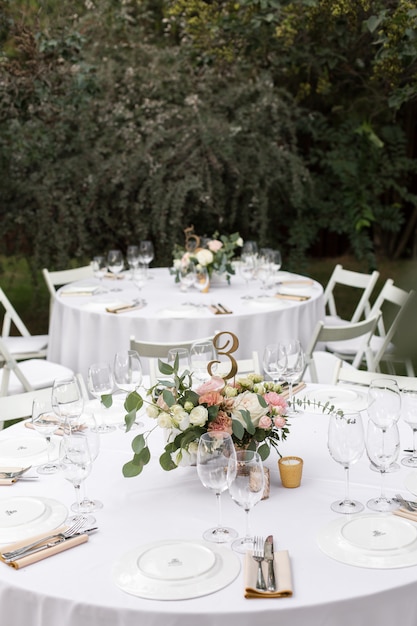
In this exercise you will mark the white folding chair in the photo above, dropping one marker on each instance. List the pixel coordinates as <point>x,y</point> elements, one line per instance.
<point>359,282</point>
<point>28,375</point>
<point>19,406</point>
<point>381,345</point>
<point>318,361</point>
<point>64,277</point>
<point>24,345</point>
<point>349,375</point>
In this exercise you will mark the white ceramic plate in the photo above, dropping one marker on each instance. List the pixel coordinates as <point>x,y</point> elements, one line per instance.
<point>410,482</point>
<point>176,570</point>
<point>27,450</point>
<point>342,398</point>
<point>29,517</point>
<point>376,541</point>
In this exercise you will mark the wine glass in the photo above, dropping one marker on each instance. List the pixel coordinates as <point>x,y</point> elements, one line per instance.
<point>273,366</point>
<point>384,405</point>
<point>132,258</point>
<point>99,267</point>
<point>346,444</point>
<point>75,463</point>
<point>67,399</point>
<point>146,254</point>
<point>249,248</point>
<point>202,279</point>
<point>201,353</point>
<point>139,278</point>
<point>215,449</point>
<point>128,375</point>
<point>245,478</point>
<point>100,383</point>
<point>291,358</point>
<point>247,267</point>
<point>409,413</point>
<point>45,421</point>
<point>181,357</point>
<point>187,276</point>
<point>115,264</point>
<point>382,447</point>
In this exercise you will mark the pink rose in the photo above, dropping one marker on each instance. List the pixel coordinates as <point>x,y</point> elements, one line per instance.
<point>214,245</point>
<point>214,384</point>
<point>279,422</point>
<point>265,422</point>
<point>211,398</point>
<point>222,422</point>
<point>276,400</point>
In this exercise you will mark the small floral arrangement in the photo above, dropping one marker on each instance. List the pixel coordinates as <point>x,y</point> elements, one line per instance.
<point>215,253</point>
<point>250,409</point>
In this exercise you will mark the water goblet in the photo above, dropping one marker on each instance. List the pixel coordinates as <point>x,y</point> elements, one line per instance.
<point>132,258</point>
<point>128,375</point>
<point>384,406</point>
<point>273,366</point>
<point>409,413</point>
<point>67,399</point>
<point>99,267</point>
<point>247,267</point>
<point>202,279</point>
<point>100,383</point>
<point>382,447</point>
<point>115,264</point>
<point>249,248</point>
<point>201,354</point>
<point>146,254</point>
<point>75,464</point>
<point>346,444</point>
<point>245,478</point>
<point>291,358</point>
<point>179,358</point>
<point>187,276</point>
<point>215,449</point>
<point>45,421</point>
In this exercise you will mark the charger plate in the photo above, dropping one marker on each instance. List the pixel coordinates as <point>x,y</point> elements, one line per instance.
<point>376,541</point>
<point>26,450</point>
<point>175,570</point>
<point>22,517</point>
<point>346,399</point>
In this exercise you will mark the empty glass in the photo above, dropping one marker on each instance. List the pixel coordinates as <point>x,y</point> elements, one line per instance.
<point>202,279</point>
<point>181,358</point>
<point>201,354</point>
<point>127,372</point>
<point>75,464</point>
<point>409,413</point>
<point>99,267</point>
<point>146,254</point>
<point>188,277</point>
<point>291,358</point>
<point>115,264</point>
<point>45,421</point>
<point>382,447</point>
<point>384,406</point>
<point>272,365</point>
<point>132,258</point>
<point>100,383</point>
<point>67,399</point>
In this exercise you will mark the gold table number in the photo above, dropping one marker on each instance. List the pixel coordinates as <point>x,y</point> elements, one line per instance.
<point>230,345</point>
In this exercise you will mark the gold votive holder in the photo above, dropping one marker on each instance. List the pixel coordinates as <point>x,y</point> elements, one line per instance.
<point>290,470</point>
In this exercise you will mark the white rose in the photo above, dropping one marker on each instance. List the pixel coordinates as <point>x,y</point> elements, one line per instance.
<point>205,257</point>
<point>177,264</point>
<point>164,420</point>
<point>183,420</point>
<point>181,457</point>
<point>198,416</point>
<point>239,242</point>
<point>152,411</point>
<point>248,401</point>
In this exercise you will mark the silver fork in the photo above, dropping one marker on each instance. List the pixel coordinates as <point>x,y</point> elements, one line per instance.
<point>71,530</point>
<point>258,556</point>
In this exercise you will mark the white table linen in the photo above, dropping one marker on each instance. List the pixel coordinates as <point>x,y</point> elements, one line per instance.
<point>76,588</point>
<point>82,332</point>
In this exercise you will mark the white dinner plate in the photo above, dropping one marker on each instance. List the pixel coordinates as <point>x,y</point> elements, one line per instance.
<point>377,541</point>
<point>345,399</point>
<point>27,450</point>
<point>176,570</point>
<point>22,517</point>
<point>410,482</point>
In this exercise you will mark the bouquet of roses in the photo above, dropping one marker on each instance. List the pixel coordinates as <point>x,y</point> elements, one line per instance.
<point>251,409</point>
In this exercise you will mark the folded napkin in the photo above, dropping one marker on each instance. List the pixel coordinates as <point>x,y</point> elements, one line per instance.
<point>287,296</point>
<point>114,276</point>
<point>124,308</point>
<point>286,392</point>
<point>42,554</point>
<point>282,569</point>
<point>79,291</point>
<point>411,515</point>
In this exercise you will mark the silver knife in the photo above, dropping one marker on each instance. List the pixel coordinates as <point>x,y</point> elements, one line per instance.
<point>50,544</point>
<point>269,558</point>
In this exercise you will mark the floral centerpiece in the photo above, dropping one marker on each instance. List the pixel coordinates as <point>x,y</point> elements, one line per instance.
<point>214,253</point>
<point>251,409</point>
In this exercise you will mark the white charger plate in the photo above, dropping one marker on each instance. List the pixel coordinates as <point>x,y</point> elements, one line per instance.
<point>27,450</point>
<point>175,570</point>
<point>346,399</point>
<point>29,516</point>
<point>376,541</point>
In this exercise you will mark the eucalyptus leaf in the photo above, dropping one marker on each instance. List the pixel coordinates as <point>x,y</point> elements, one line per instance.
<point>264,451</point>
<point>133,402</point>
<point>166,462</point>
<point>138,444</point>
<point>131,469</point>
<point>165,368</point>
<point>168,397</point>
<point>107,400</point>
<point>247,419</point>
<point>130,419</point>
<point>238,429</point>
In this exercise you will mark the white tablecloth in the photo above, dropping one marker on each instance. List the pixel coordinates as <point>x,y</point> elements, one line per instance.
<point>76,587</point>
<point>82,332</point>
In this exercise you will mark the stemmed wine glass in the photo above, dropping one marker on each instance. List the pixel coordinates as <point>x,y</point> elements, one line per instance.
<point>127,372</point>
<point>215,450</point>
<point>146,254</point>
<point>100,383</point>
<point>45,421</point>
<point>409,413</point>
<point>384,405</point>
<point>115,264</point>
<point>75,463</point>
<point>382,447</point>
<point>346,444</point>
<point>202,279</point>
<point>99,267</point>
<point>245,478</point>
<point>291,358</point>
<point>272,365</point>
<point>132,258</point>
<point>201,354</point>
<point>181,357</point>
<point>187,276</point>
<point>67,399</point>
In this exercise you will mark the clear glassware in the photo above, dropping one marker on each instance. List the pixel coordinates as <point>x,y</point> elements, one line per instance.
<point>346,444</point>
<point>247,267</point>
<point>188,277</point>
<point>45,421</point>
<point>249,247</point>
<point>99,267</point>
<point>291,357</point>
<point>146,254</point>
<point>382,447</point>
<point>272,365</point>
<point>128,374</point>
<point>75,464</point>
<point>67,399</point>
<point>245,478</point>
<point>384,406</point>
<point>181,356</point>
<point>139,278</point>
<point>132,258</point>
<point>409,414</point>
<point>202,279</point>
<point>115,264</point>
<point>215,450</point>
<point>201,354</point>
<point>100,383</point>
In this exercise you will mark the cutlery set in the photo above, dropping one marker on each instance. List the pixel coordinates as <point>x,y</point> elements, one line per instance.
<point>264,551</point>
<point>219,309</point>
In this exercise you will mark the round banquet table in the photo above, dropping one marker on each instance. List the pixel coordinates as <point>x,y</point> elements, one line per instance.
<point>76,587</point>
<point>82,332</point>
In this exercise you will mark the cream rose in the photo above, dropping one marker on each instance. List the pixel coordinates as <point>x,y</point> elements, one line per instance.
<point>152,411</point>
<point>248,401</point>
<point>164,420</point>
<point>205,257</point>
<point>198,416</point>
